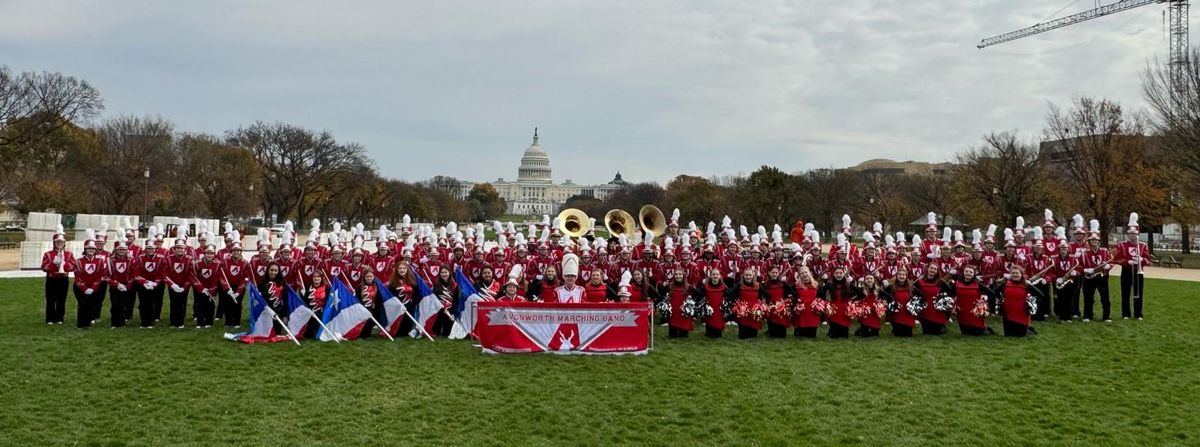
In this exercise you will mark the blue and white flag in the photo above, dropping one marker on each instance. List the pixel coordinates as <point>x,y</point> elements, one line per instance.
<point>428,306</point>
<point>393,309</point>
<point>299,314</point>
<point>344,315</point>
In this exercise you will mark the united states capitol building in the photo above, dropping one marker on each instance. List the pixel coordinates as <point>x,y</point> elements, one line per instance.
<point>535,192</point>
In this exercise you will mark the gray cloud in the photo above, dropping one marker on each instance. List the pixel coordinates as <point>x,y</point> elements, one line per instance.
<point>651,89</point>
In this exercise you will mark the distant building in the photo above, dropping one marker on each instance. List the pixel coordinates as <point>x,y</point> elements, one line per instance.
<point>534,192</point>
<point>885,166</point>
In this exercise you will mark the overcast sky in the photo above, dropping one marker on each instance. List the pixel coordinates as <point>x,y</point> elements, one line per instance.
<point>651,88</point>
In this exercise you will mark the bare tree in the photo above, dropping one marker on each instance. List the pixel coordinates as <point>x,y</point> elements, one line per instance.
<point>1100,153</point>
<point>999,180</point>
<point>297,164</point>
<point>1176,119</point>
<point>827,194</point>
<point>129,145</point>
<point>53,99</point>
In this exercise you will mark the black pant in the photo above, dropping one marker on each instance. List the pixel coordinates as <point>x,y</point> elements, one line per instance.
<point>746,332</point>
<point>971,331</point>
<point>149,303</point>
<point>230,309</point>
<point>56,298</point>
<point>674,332</point>
<point>805,332</point>
<point>1090,287</point>
<point>867,332</point>
<point>776,330</point>
<point>83,308</point>
<point>1063,298</point>
<point>931,328</point>
<point>712,332</point>
<point>369,326</point>
<point>178,306</point>
<point>900,330</point>
<point>203,307</point>
<point>1043,301</point>
<point>838,331</point>
<point>442,325</point>
<point>1129,279</point>
<point>116,309</point>
<point>1012,329</point>
<point>98,300</point>
<point>311,329</point>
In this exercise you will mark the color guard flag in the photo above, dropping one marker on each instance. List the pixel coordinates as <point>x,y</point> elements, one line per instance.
<point>428,306</point>
<point>344,315</point>
<point>299,314</point>
<point>464,311</point>
<point>393,309</point>
<point>262,321</point>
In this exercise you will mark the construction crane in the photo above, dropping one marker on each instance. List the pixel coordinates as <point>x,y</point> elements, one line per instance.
<point>1177,45</point>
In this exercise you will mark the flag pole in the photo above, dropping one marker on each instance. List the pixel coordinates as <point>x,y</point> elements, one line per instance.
<point>418,324</point>
<point>336,336</point>
<point>650,320</point>
<point>285,329</point>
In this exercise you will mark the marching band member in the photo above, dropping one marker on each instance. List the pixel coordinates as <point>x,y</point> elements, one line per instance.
<point>90,271</point>
<point>236,273</point>
<point>178,279</point>
<point>544,289</point>
<point>713,291</point>
<point>868,297</point>
<point>315,296</point>
<point>446,289</point>
<point>838,290</point>
<point>382,262</point>
<point>151,272</point>
<point>677,292</point>
<point>596,291</point>
<point>1096,264</point>
<point>1066,279</point>
<point>511,290</point>
<point>900,291</point>
<point>487,283</point>
<point>777,290</point>
<point>1038,264</point>
<point>367,293</point>
<point>122,268</point>
<point>272,288</point>
<point>206,284</point>
<point>1132,256</point>
<point>967,292</point>
<point>748,293</point>
<point>1014,291</point>
<point>806,321</point>
<point>58,263</point>
<point>569,292</point>
<point>403,287</point>
<point>309,264</point>
<point>933,321</point>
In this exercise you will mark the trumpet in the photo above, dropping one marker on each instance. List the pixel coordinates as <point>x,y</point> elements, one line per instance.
<point>618,222</point>
<point>574,222</point>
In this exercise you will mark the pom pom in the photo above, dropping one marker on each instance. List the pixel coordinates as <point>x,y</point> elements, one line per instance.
<point>915,305</point>
<point>944,303</point>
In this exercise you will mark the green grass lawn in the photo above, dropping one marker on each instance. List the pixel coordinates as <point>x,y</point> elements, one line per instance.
<point>1127,383</point>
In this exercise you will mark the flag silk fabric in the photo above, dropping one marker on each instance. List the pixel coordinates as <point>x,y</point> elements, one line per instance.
<point>299,314</point>
<point>344,315</point>
<point>393,309</point>
<point>428,306</point>
<point>262,321</point>
<point>464,305</point>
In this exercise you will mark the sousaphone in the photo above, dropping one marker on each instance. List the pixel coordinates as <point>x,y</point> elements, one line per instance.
<point>574,222</point>
<point>652,220</point>
<point>618,222</point>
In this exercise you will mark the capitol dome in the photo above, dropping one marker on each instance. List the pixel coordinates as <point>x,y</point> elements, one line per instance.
<point>535,164</point>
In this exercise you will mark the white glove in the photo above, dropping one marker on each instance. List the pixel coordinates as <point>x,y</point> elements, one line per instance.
<point>539,277</point>
<point>176,288</point>
<point>953,271</point>
<point>121,287</point>
<point>148,285</point>
<point>1021,256</point>
<point>933,255</point>
<point>233,294</point>
<point>1074,273</point>
<point>88,291</point>
<point>57,261</point>
<point>1006,276</point>
<point>153,284</point>
<point>1088,271</point>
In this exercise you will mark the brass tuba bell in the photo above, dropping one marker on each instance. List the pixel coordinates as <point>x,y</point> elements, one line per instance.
<point>618,222</point>
<point>652,220</point>
<point>574,222</point>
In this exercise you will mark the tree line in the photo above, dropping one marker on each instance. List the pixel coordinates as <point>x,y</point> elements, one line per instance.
<point>55,154</point>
